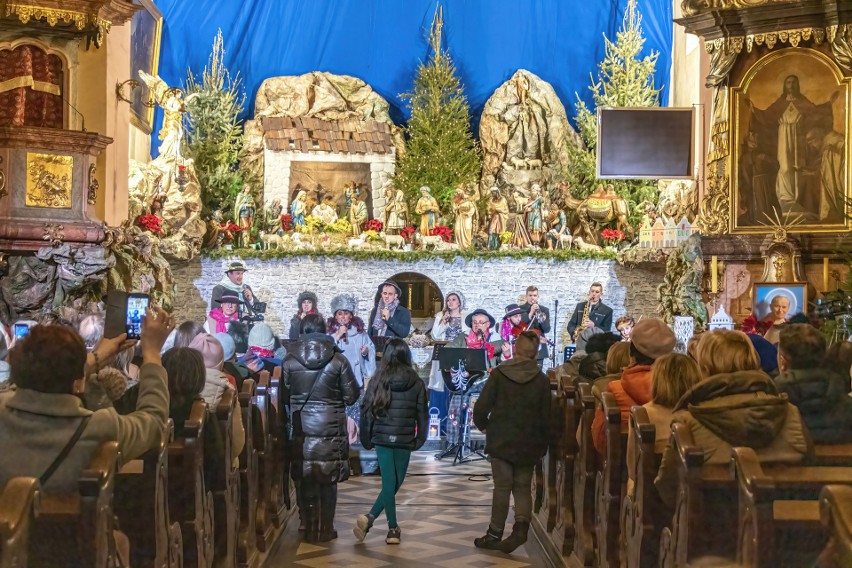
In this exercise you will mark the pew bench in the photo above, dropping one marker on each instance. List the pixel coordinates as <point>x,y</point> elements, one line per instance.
<point>19,506</point>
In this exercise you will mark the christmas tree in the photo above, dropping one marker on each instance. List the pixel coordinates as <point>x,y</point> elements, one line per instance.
<point>215,131</point>
<point>440,150</point>
<point>624,80</point>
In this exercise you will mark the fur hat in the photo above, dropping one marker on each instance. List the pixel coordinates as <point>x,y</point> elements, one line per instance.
<point>112,381</point>
<point>306,295</point>
<point>345,302</point>
<point>210,349</point>
<point>228,346</point>
<point>261,336</point>
<point>653,338</point>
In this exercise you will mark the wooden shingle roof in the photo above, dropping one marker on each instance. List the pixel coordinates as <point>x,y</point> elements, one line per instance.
<point>306,134</point>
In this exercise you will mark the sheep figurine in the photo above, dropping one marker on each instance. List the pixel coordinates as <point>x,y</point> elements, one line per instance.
<point>393,241</point>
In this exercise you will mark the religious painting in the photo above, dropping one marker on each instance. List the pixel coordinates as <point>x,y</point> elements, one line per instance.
<point>790,144</point>
<point>776,301</point>
<point>145,31</point>
<point>49,178</point>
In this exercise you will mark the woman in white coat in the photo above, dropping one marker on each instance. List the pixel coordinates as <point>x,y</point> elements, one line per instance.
<point>449,323</point>
<point>350,336</point>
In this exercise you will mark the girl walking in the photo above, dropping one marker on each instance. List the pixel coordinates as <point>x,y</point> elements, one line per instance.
<point>395,420</point>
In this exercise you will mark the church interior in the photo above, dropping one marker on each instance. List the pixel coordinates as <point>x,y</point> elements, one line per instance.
<point>539,283</point>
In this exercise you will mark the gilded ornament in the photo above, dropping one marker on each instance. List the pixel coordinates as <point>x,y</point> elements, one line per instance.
<point>92,197</point>
<point>715,213</point>
<point>54,234</point>
<point>3,192</point>
<point>49,180</point>
<point>54,16</point>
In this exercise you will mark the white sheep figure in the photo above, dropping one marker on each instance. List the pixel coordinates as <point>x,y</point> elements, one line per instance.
<point>583,245</point>
<point>359,241</point>
<point>563,239</point>
<point>431,240</point>
<point>393,241</point>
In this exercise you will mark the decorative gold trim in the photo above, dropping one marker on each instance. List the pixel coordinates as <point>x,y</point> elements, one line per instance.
<point>3,192</point>
<point>692,7</point>
<point>92,197</point>
<point>54,16</point>
<point>715,211</point>
<point>28,81</point>
<point>771,39</point>
<point>54,233</point>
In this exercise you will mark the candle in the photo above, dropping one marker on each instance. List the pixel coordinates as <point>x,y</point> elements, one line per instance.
<point>714,275</point>
<point>825,274</point>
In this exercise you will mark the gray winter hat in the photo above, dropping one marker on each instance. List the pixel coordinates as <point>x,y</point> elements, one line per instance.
<point>345,302</point>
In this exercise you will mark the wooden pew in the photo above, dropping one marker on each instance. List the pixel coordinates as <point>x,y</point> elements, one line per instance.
<point>226,497</point>
<point>836,516</point>
<point>264,527</point>
<point>190,501</point>
<point>832,454</point>
<point>78,528</point>
<point>278,420</point>
<point>584,481</point>
<point>19,506</point>
<point>545,500</point>
<point>570,405</point>
<point>609,485</point>
<point>642,508</point>
<point>142,508</point>
<point>247,552</point>
<point>778,501</point>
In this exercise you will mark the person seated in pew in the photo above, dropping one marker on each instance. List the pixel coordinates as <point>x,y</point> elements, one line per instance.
<point>37,420</point>
<point>617,359</point>
<point>237,370</point>
<point>593,364</point>
<point>215,384</point>
<point>651,339</point>
<point>186,332</point>
<point>735,404</point>
<point>672,376</point>
<point>261,349</point>
<point>766,352</point>
<point>818,392</point>
<point>838,358</point>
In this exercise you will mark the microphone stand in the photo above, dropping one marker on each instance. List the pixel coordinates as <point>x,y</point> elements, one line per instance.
<point>555,327</point>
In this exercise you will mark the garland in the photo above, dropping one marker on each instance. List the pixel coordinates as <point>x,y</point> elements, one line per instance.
<point>409,256</point>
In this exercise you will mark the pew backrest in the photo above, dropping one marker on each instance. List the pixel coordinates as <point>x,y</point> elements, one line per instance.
<point>19,506</point>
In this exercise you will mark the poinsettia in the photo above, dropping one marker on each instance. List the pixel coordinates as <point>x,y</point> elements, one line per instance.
<point>372,225</point>
<point>612,236</point>
<point>407,233</point>
<point>150,223</point>
<point>229,229</point>
<point>754,326</point>
<point>444,232</point>
<point>286,222</point>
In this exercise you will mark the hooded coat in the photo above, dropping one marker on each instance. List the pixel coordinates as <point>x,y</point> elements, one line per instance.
<point>735,409</point>
<point>820,395</point>
<point>320,447</point>
<point>405,422</point>
<point>633,389</point>
<point>514,412</point>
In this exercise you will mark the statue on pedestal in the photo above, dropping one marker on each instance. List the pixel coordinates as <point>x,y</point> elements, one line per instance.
<point>297,209</point>
<point>396,211</point>
<point>498,218</point>
<point>467,218</point>
<point>244,210</point>
<point>533,209</point>
<point>272,217</point>
<point>357,210</point>
<point>427,208</point>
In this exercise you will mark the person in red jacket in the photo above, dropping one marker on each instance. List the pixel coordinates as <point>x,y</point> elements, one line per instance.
<point>651,339</point>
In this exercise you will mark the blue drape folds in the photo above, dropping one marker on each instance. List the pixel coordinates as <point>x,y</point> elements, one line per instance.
<point>382,41</point>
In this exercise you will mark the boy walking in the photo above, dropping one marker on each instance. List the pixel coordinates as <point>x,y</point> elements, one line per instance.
<point>514,412</point>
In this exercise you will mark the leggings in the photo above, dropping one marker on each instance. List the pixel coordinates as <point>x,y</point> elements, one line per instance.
<point>393,463</point>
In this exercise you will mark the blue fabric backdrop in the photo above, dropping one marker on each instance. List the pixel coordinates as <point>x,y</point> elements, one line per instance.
<point>382,41</point>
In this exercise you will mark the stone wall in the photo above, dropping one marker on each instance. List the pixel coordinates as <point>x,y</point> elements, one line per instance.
<point>490,284</point>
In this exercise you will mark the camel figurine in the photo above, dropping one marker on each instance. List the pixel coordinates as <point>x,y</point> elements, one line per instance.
<point>600,207</point>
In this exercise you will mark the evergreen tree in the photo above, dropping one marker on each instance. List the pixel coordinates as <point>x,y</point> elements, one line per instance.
<point>215,131</point>
<point>440,151</point>
<point>624,80</point>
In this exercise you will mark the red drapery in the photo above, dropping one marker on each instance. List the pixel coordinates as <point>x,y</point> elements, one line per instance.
<point>30,87</point>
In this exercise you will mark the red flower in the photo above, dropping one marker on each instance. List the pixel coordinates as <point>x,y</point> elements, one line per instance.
<point>407,233</point>
<point>372,225</point>
<point>753,326</point>
<point>444,232</point>
<point>286,222</point>
<point>150,223</point>
<point>230,226</point>
<point>612,235</point>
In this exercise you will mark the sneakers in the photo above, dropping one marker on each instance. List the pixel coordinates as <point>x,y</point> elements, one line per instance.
<point>491,540</point>
<point>394,536</point>
<point>363,524</point>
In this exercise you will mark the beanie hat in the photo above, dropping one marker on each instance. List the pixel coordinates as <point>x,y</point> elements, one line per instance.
<point>112,381</point>
<point>306,295</point>
<point>228,346</point>
<point>261,336</point>
<point>210,349</point>
<point>346,302</point>
<point>653,338</point>
<point>766,351</point>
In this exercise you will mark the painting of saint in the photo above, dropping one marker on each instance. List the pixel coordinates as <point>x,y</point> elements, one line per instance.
<point>791,137</point>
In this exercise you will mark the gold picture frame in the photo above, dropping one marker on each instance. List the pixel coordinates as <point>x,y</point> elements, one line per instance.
<point>146,29</point>
<point>49,180</point>
<point>790,144</point>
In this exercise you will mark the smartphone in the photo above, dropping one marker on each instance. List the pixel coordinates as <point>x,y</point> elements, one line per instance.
<point>21,330</point>
<point>136,306</point>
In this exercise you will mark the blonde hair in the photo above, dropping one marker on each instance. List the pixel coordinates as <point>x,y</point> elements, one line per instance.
<point>671,376</point>
<point>725,351</point>
<point>618,357</point>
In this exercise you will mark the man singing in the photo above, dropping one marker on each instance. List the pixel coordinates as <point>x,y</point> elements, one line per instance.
<point>600,315</point>
<point>537,319</point>
<point>389,318</point>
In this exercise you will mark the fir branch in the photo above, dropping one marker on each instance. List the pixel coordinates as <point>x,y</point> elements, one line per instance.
<point>411,256</point>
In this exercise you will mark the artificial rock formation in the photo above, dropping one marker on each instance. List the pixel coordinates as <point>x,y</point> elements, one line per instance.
<point>524,131</point>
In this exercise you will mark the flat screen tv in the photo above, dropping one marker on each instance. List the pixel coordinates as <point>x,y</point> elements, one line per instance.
<point>645,143</point>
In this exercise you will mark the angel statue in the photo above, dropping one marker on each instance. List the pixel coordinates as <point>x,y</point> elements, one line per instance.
<point>173,103</point>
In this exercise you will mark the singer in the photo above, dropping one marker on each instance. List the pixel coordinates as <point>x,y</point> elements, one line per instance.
<point>350,336</point>
<point>482,335</point>
<point>389,318</point>
<point>537,319</point>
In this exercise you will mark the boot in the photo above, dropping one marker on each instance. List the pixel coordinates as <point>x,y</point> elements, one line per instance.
<point>517,538</point>
<point>491,540</point>
<point>312,525</point>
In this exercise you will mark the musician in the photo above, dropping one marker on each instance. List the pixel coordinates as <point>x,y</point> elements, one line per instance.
<point>483,336</point>
<point>599,314</point>
<point>389,318</point>
<point>537,318</point>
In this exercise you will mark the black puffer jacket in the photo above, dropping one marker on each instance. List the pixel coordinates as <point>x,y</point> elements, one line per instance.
<point>820,395</point>
<point>405,423</point>
<point>321,450</point>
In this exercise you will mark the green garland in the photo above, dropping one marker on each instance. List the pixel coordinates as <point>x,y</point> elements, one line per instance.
<point>411,256</point>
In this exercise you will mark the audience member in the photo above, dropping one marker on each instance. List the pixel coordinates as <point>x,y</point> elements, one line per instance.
<point>766,352</point>
<point>651,339</point>
<point>617,359</point>
<point>514,412</point>
<point>692,347</point>
<point>624,326</point>
<point>593,365</point>
<point>321,385</point>
<point>307,305</point>
<point>186,332</point>
<point>838,358</point>
<point>239,333</point>
<point>395,420</point>
<point>38,419</point>
<point>229,353</point>
<point>736,404</point>
<point>818,392</point>
<point>261,344</point>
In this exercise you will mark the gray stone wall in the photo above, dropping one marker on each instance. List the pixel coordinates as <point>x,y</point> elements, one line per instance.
<point>489,284</point>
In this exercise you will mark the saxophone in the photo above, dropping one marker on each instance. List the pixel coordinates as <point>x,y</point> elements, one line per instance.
<point>583,321</point>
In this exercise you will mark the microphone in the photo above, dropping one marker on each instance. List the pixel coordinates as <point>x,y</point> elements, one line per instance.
<point>345,338</point>
<point>72,107</point>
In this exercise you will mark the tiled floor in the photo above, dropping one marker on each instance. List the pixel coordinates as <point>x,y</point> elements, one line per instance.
<point>441,509</point>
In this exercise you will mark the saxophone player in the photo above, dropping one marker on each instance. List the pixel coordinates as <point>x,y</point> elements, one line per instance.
<point>537,318</point>
<point>598,315</point>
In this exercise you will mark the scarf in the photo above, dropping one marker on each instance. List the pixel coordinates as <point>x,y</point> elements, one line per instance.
<point>261,352</point>
<point>380,325</point>
<point>222,320</point>
<point>473,342</point>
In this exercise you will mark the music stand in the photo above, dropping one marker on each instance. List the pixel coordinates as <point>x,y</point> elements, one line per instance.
<point>461,369</point>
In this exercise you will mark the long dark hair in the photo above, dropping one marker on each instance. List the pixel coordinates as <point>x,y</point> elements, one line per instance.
<point>185,369</point>
<point>396,363</point>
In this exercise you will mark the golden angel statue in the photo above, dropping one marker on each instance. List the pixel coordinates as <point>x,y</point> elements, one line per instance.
<point>173,102</point>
